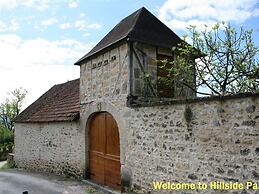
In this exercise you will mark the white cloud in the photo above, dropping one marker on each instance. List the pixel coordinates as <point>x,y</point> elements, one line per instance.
<point>40,5</point>
<point>8,4</point>
<point>11,26</point>
<point>94,26</point>
<point>73,3</point>
<point>179,14</point>
<point>86,34</point>
<point>37,64</point>
<point>49,22</point>
<point>83,25</point>
<point>82,15</point>
<point>256,13</point>
<point>65,26</point>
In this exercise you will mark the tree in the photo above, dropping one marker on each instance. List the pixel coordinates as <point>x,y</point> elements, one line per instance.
<point>12,107</point>
<point>6,139</point>
<point>226,61</point>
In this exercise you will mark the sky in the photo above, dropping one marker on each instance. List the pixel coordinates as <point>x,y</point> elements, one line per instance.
<point>40,40</point>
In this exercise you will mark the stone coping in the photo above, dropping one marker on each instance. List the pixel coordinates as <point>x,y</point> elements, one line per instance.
<point>153,101</point>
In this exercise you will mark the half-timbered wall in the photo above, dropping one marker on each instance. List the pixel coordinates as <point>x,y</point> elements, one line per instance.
<point>105,76</point>
<point>145,61</point>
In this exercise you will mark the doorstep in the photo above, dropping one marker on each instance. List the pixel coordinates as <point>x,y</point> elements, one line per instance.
<point>100,187</point>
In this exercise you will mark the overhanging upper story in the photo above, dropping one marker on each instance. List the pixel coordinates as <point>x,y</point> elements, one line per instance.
<point>116,67</point>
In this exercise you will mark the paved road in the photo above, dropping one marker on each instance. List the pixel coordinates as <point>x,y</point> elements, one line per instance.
<point>15,181</point>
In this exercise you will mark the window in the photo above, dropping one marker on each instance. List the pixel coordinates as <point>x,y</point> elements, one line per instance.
<point>113,58</point>
<point>105,62</point>
<point>164,89</point>
<point>93,65</point>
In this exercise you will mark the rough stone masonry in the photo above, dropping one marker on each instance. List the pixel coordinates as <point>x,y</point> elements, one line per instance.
<point>181,141</point>
<point>202,141</point>
<point>185,142</point>
<point>54,147</point>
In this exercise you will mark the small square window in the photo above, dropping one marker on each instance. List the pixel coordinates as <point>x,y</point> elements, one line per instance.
<point>113,58</point>
<point>105,62</point>
<point>93,65</point>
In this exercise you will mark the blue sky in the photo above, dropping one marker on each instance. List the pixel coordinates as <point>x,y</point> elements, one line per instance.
<point>41,39</point>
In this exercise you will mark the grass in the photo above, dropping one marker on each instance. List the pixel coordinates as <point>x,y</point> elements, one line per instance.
<point>89,190</point>
<point>5,166</point>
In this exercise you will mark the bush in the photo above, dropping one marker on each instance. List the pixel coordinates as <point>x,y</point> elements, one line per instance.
<point>6,139</point>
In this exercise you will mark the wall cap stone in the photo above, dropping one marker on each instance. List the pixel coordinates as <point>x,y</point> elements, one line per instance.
<point>133,101</point>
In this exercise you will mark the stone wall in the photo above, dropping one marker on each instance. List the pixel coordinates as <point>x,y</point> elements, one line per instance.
<point>202,141</point>
<point>214,139</point>
<point>50,147</point>
<point>188,141</point>
<point>194,141</point>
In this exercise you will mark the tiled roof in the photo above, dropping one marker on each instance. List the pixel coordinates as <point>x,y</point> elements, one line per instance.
<point>140,26</point>
<point>60,103</point>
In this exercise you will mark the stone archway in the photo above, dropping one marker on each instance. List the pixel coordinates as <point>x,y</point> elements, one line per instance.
<point>104,150</point>
<point>87,112</point>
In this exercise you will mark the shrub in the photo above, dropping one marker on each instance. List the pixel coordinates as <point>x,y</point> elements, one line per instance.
<point>6,139</point>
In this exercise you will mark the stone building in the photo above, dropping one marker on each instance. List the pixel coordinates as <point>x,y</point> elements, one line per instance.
<point>48,135</point>
<point>126,137</point>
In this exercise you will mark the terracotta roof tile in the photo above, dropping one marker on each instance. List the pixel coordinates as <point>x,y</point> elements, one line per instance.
<point>60,103</point>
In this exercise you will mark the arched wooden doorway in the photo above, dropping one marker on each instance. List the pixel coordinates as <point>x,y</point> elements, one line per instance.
<point>104,151</point>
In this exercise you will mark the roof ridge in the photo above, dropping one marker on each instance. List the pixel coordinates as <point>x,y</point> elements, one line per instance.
<point>114,28</point>
<point>138,12</point>
<point>142,26</point>
<point>67,82</point>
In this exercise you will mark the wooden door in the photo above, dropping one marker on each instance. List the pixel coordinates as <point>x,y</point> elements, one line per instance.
<point>104,151</point>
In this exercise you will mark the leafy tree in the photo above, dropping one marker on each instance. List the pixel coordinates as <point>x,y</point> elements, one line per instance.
<point>12,107</point>
<point>226,61</point>
<point>6,139</point>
